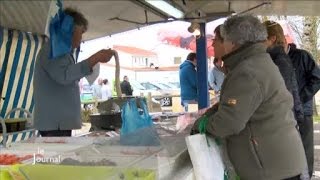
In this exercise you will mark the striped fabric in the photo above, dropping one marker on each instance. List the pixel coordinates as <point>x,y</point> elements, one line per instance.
<point>18,51</point>
<point>20,136</point>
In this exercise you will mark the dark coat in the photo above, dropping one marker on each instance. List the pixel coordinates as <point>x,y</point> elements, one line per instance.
<point>126,88</point>
<point>307,74</point>
<point>283,61</point>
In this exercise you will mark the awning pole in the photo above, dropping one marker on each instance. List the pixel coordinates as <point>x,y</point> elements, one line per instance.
<point>202,68</point>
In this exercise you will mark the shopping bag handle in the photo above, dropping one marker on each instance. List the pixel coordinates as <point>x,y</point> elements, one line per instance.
<point>203,124</point>
<point>203,129</point>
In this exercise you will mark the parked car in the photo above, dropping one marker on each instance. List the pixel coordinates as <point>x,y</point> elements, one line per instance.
<point>175,84</point>
<point>138,89</point>
<point>86,92</point>
<point>171,85</point>
<point>163,92</point>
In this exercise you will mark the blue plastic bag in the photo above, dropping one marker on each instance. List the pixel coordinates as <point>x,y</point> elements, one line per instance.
<point>137,126</point>
<point>61,32</point>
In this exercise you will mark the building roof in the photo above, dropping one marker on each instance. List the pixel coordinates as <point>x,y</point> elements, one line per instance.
<point>134,51</point>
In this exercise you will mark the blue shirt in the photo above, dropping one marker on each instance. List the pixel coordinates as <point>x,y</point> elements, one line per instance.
<point>215,78</point>
<point>188,81</point>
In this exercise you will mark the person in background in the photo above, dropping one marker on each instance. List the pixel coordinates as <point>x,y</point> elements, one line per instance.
<point>254,114</point>
<point>308,78</point>
<point>188,81</point>
<point>55,84</point>
<point>276,44</point>
<point>126,87</point>
<point>216,76</point>
<point>217,44</point>
<point>97,89</point>
<point>106,92</point>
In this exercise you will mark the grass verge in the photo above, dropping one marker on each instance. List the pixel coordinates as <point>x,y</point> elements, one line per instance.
<point>316,119</point>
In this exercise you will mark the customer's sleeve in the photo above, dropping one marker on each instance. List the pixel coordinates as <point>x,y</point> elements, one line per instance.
<point>63,71</point>
<point>210,78</point>
<point>312,77</point>
<point>130,90</point>
<point>239,99</point>
<point>298,106</point>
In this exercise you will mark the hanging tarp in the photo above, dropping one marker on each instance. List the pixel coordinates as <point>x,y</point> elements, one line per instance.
<point>61,31</point>
<point>18,52</point>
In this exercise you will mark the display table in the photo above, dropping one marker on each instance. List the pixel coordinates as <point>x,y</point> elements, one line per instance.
<point>103,154</point>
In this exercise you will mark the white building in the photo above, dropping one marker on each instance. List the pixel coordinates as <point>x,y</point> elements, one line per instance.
<point>141,50</point>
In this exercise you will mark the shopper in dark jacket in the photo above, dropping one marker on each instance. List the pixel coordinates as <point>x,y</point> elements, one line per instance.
<point>276,48</point>
<point>308,78</point>
<point>126,87</point>
<point>308,75</point>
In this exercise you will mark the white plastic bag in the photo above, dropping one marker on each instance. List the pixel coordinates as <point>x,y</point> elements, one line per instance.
<point>206,157</point>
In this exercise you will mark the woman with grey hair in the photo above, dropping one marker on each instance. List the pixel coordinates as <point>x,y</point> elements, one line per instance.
<point>255,115</point>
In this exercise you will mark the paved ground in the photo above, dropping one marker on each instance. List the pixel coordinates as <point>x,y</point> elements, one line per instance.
<point>316,152</point>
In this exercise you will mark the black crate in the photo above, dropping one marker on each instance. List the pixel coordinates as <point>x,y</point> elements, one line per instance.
<point>105,121</point>
<point>14,125</point>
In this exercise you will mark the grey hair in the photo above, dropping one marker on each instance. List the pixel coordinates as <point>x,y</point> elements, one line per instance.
<point>78,18</point>
<point>242,29</point>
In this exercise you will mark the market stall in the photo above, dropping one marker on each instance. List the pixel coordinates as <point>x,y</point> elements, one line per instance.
<point>96,156</point>
<point>102,157</point>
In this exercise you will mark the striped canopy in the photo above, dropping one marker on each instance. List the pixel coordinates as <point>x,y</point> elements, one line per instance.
<point>18,51</point>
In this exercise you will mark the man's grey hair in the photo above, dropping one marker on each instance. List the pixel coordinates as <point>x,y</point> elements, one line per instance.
<point>242,29</point>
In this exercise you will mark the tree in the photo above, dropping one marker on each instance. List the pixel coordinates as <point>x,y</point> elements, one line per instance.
<point>310,38</point>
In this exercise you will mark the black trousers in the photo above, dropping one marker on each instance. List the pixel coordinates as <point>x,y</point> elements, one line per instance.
<point>294,178</point>
<point>306,132</point>
<point>55,133</point>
